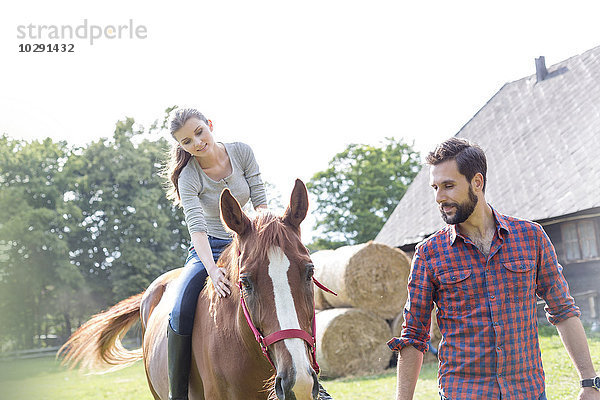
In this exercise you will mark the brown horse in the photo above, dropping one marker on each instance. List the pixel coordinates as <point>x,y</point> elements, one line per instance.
<point>273,271</point>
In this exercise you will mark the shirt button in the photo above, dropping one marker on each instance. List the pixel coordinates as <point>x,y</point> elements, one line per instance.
<point>492,297</point>
<point>496,324</point>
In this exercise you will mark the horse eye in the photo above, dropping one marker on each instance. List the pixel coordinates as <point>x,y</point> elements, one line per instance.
<point>246,283</point>
<point>310,271</point>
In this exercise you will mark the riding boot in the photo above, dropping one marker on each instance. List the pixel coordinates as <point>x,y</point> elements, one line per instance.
<point>323,395</point>
<point>179,359</point>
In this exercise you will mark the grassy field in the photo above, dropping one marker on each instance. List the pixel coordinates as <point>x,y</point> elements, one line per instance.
<point>45,379</point>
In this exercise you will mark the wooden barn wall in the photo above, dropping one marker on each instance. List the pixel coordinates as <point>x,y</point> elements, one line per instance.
<point>582,276</point>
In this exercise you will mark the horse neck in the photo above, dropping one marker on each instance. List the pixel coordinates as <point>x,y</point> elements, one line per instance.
<point>228,314</point>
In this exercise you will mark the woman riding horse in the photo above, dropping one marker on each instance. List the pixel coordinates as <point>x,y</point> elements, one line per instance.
<point>199,170</point>
<point>257,343</point>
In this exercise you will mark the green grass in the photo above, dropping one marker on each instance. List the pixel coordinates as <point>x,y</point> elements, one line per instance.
<point>382,386</point>
<point>45,379</point>
<point>562,381</point>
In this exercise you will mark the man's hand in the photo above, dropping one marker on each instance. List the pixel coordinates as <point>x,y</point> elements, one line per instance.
<point>573,337</point>
<point>589,394</point>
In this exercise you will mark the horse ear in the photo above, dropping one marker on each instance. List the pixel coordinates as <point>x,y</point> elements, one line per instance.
<point>296,211</point>
<point>232,214</point>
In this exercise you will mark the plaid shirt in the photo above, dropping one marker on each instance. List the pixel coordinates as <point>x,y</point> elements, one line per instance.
<point>486,309</point>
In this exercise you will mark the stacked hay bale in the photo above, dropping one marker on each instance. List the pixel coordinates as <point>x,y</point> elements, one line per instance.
<point>434,333</point>
<point>352,329</point>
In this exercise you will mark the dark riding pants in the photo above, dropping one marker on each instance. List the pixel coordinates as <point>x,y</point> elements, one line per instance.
<point>191,282</point>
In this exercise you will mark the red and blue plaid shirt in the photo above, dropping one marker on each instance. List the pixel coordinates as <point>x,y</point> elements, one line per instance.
<point>486,309</point>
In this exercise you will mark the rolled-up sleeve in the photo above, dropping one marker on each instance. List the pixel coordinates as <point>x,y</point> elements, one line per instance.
<point>417,311</point>
<point>189,189</point>
<point>551,283</point>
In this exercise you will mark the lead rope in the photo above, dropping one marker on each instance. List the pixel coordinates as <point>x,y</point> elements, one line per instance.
<point>323,287</point>
<point>314,328</point>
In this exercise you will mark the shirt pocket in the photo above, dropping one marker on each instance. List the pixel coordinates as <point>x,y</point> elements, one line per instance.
<point>455,293</point>
<point>518,280</point>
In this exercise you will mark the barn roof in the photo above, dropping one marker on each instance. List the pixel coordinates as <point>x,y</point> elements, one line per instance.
<point>542,142</point>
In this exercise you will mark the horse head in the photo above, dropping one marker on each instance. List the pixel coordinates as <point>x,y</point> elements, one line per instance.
<point>276,290</point>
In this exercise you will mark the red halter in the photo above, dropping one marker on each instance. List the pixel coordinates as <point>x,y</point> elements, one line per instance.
<point>275,337</point>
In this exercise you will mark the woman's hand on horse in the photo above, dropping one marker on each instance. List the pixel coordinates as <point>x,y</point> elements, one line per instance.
<point>220,282</point>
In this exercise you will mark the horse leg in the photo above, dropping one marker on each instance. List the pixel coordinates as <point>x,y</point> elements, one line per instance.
<point>155,353</point>
<point>156,306</point>
<point>229,371</point>
<point>196,388</point>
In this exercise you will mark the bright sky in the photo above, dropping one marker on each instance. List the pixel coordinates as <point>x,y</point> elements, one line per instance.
<point>298,81</point>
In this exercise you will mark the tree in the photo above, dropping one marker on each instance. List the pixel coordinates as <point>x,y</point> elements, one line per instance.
<point>34,256</point>
<point>359,191</point>
<point>129,232</point>
<point>81,228</point>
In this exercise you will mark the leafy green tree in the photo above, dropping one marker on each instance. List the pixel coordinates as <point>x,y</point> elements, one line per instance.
<point>359,191</point>
<point>34,254</point>
<point>81,228</point>
<point>129,232</point>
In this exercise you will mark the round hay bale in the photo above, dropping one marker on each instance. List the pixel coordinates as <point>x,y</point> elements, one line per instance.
<point>371,276</point>
<point>397,324</point>
<point>435,336</point>
<point>320,302</point>
<point>434,331</point>
<point>351,342</point>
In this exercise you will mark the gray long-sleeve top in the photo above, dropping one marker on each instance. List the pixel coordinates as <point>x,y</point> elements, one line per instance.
<point>200,194</point>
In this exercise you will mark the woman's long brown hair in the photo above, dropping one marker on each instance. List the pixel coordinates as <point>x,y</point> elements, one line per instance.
<point>178,157</point>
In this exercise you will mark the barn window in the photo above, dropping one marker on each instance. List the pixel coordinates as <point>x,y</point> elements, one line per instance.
<point>580,240</point>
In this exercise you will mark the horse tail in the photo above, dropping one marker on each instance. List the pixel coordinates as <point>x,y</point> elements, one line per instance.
<point>96,345</point>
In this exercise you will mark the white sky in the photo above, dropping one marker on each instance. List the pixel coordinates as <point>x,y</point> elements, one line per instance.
<point>298,81</point>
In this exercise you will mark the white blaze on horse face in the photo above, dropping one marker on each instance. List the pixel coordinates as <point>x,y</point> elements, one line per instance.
<point>287,316</point>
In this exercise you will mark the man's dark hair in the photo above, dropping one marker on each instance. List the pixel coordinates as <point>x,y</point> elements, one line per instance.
<point>469,157</point>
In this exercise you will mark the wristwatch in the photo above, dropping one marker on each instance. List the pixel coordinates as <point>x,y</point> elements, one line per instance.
<point>591,382</point>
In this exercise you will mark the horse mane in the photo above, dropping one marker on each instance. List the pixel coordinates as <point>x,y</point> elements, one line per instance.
<point>268,230</point>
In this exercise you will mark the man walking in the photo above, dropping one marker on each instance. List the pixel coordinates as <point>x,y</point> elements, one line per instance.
<point>483,271</point>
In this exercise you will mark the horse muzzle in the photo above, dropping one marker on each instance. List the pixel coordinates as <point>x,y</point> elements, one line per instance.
<point>287,387</point>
